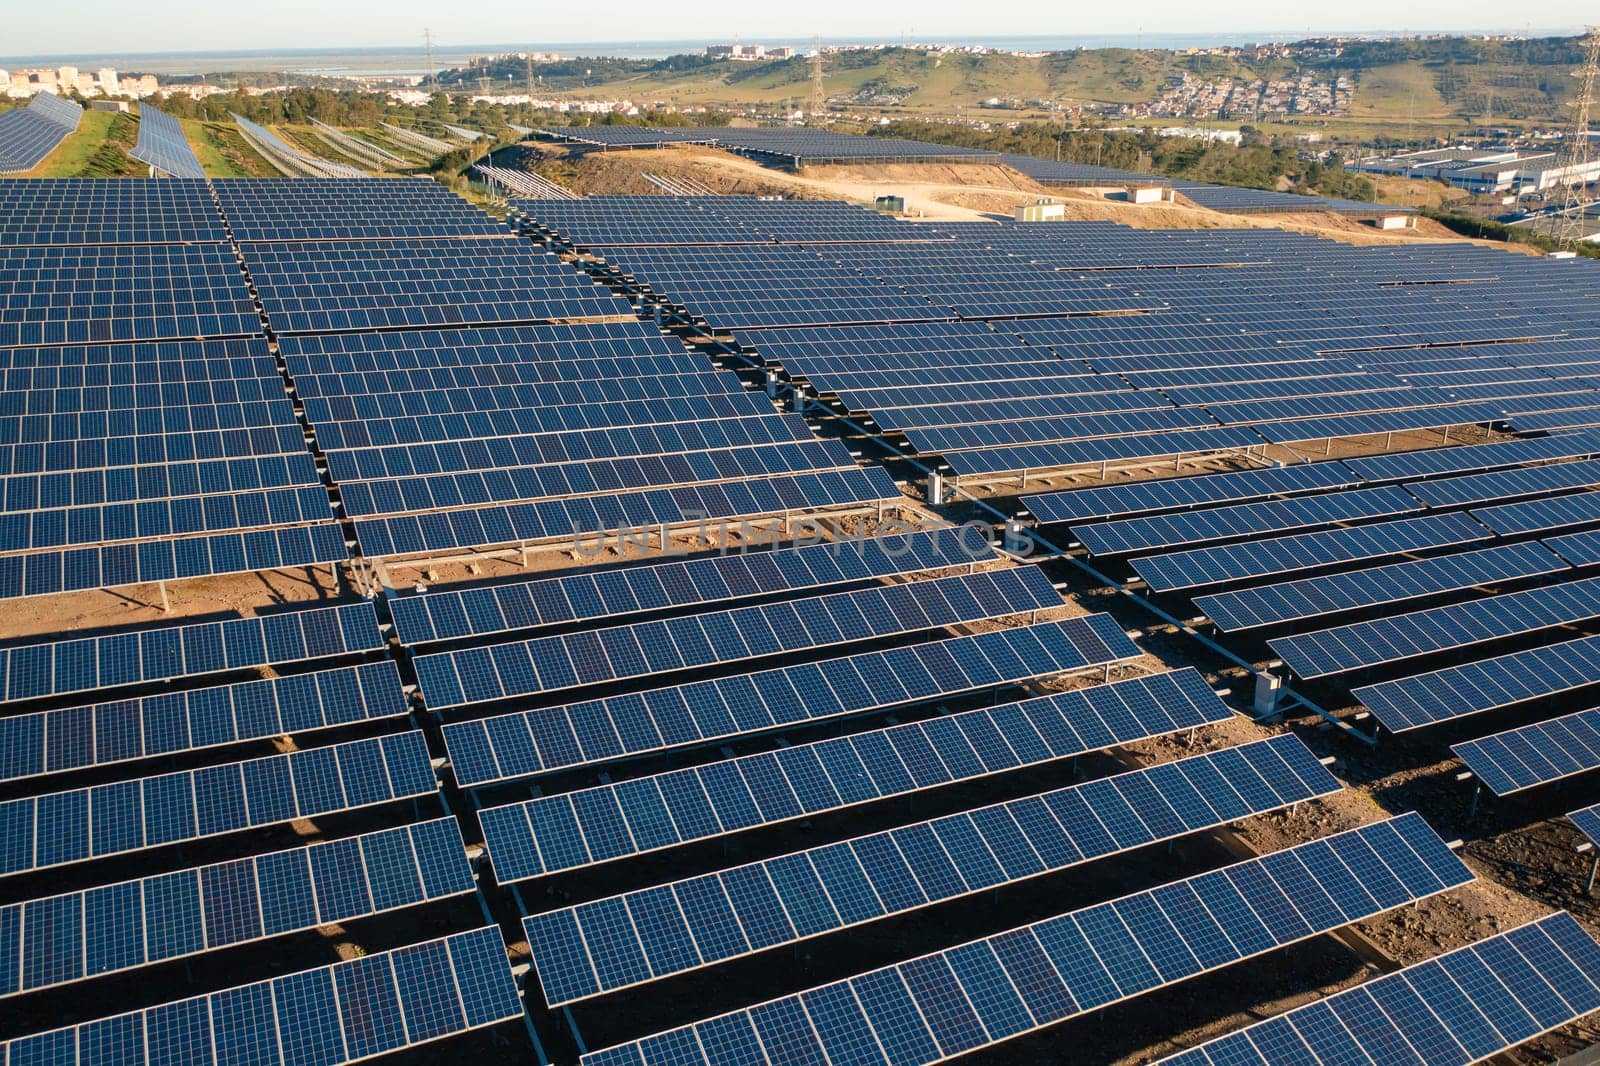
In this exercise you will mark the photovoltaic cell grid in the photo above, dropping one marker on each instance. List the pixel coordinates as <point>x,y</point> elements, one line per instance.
<point>28,134</point>
<point>100,734</point>
<point>268,209</point>
<point>539,741</point>
<point>1114,501</point>
<point>128,816</point>
<point>330,285</point>
<point>981,993</point>
<point>1313,597</point>
<point>642,649</point>
<point>586,950</point>
<point>1535,754</point>
<point>1121,536</point>
<point>346,1012</point>
<point>72,937</point>
<point>573,830</point>
<point>58,211</point>
<point>615,593</point>
<point>76,294</point>
<point>1462,1007</point>
<point>1395,638</point>
<point>1485,685</point>
<point>286,157</point>
<point>59,668</point>
<point>163,145</point>
<point>1305,551</point>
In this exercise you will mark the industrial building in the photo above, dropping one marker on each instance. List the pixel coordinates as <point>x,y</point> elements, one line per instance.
<point>1483,171</point>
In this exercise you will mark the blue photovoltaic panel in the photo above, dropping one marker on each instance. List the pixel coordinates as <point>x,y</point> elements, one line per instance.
<point>1579,549</point>
<point>1312,597</point>
<point>578,951</point>
<point>1485,685</point>
<point>1535,754</point>
<point>44,573</point>
<point>57,211</point>
<point>1194,527</point>
<point>618,592</point>
<point>163,145</point>
<point>1395,638</point>
<point>1472,457</point>
<point>536,742</point>
<point>346,1012</point>
<point>105,733</point>
<point>1588,822</point>
<point>270,209</point>
<point>1462,1007</point>
<point>547,834</point>
<point>1538,515</point>
<point>71,937</point>
<point>1506,484</point>
<point>552,664</point>
<point>128,816</point>
<point>953,1001</point>
<point>1167,494</point>
<point>1305,551</point>
<point>33,671</point>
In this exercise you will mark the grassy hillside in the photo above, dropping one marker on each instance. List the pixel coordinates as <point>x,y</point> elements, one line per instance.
<point>1426,87</point>
<point>97,149</point>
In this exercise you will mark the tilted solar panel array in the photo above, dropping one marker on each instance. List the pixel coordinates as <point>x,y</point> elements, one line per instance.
<point>28,134</point>
<point>987,991</point>
<point>163,145</point>
<point>1461,1007</point>
<point>683,926</point>
<point>121,428</point>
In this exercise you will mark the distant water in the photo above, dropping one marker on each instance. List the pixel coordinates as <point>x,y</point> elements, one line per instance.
<point>412,60</point>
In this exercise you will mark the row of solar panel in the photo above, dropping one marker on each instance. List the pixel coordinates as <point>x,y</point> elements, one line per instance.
<point>641,649</point>
<point>551,834</point>
<point>585,951</point>
<point>703,711</point>
<point>981,993</point>
<point>61,939</point>
<point>86,664</point>
<point>100,734</point>
<point>128,816</point>
<point>347,1012</point>
<point>616,593</point>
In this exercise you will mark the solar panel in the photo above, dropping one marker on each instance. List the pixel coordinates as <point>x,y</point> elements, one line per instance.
<point>702,711</point>
<point>1535,754</point>
<point>642,649</point>
<point>103,734</point>
<point>1486,685</point>
<point>346,1012</point>
<point>287,158</point>
<point>548,835</point>
<point>1313,597</point>
<point>586,950</point>
<point>1506,484</point>
<point>1579,549</point>
<point>1114,501</point>
<point>61,211</point>
<point>270,209</point>
<point>28,134</point>
<point>1304,551</point>
<point>989,990</point>
<point>1588,822</point>
<point>1539,515</point>
<point>1464,1006</point>
<point>163,145</point>
<point>129,816</point>
<point>1393,639</point>
<point>78,935</point>
<point>1126,535</point>
<point>616,593</point>
<point>58,668</point>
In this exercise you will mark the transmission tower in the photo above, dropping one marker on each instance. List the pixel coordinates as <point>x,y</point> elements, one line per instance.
<point>819,95</point>
<point>433,74</point>
<point>1579,153</point>
<point>529,58</point>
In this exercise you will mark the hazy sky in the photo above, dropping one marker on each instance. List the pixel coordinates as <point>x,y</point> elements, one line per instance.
<point>115,26</point>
